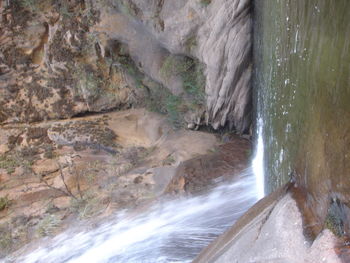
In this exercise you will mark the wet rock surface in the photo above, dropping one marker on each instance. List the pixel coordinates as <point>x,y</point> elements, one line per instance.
<point>306,124</point>
<point>272,231</point>
<point>57,172</point>
<point>204,172</point>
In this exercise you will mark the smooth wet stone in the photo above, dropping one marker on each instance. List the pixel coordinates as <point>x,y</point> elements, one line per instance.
<point>270,232</point>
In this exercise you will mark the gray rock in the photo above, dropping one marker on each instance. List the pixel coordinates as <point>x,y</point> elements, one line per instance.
<point>218,35</point>
<point>271,232</point>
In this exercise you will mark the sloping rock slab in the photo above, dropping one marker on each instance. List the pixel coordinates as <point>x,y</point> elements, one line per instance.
<point>271,232</point>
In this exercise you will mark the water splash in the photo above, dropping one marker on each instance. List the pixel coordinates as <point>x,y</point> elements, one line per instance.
<point>258,163</point>
<point>173,231</point>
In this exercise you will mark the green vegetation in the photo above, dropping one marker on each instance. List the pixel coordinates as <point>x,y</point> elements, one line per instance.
<point>194,83</point>
<point>26,156</point>
<point>191,72</point>
<point>89,14</point>
<point>18,158</point>
<point>92,171</point>
<point>191,43</point>
<point>6,241</point>
<point>334,221</point>
<point>130,68</point>
<point>213,150</point>
<point>146,152</point>
<point>86,206</point>
<point>31,5</point>
<point>175,65</point>
<point>37,6</point>
<point>127,7</point>
<point>161,100</point>
<point>334,225</point>
<point>66,9</point>
<point>63,9</point>
<point>89,85</point>
<point>9,163</point>
<point>169,160</point>
<point>4,203</point>
<point>174,110</point>
<point>88,45</point>
<point>48,225</point>
<point>205,2</point>
<point>49,151</point>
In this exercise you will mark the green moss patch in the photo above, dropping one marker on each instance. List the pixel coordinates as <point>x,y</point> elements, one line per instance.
<point>335,219</point>
<point>9,163</point>
<point>4,203</point>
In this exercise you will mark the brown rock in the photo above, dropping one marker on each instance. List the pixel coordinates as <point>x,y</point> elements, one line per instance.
<point>45,167</point>
<point>62,202</point>
<point>201,173</point>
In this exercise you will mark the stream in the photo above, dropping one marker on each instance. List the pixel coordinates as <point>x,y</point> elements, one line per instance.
<point>173,231</point>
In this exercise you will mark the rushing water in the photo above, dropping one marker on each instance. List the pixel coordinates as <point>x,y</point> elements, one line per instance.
<point>302,76</point>
<point>258,162</point>
<point>174,231</point>
<point>302,57</point>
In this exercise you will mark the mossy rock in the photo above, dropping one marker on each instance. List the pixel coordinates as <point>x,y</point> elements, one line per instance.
<point>335,219</point>
<point>4,203</point>
<point>205,2</point>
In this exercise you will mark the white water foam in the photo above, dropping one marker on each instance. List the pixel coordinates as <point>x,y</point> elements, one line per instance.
<point>258,163</point>
<point>173,231</point>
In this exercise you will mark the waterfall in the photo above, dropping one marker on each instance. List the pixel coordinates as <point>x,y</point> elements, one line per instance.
<point>172,231</point>
<point>258,162</point>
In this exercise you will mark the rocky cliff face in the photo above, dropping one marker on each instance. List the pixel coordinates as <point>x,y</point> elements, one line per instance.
<point>50,63</point>
<point>63,58</point>
<point>75,78</point>
<point>215,33</point>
